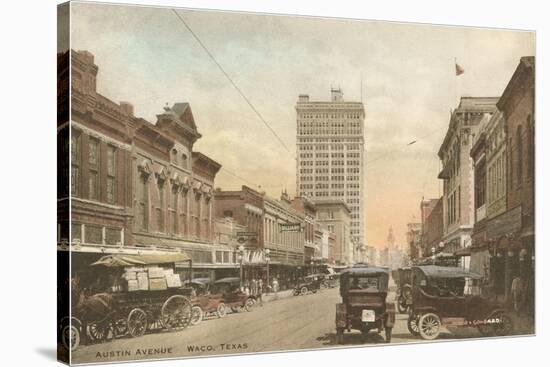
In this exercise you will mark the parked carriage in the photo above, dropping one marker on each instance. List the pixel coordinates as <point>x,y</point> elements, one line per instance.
<point>447,296</point>
<point>120,311</point>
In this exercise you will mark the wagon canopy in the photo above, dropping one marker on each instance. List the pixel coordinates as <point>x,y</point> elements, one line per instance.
<point>132,260</point>
<point>232,280</point>
<point>434,271</point>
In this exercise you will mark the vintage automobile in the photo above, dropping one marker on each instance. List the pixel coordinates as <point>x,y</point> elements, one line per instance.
<point>311,283</point>
<point>200,286</point>
<point>204,302</point>
<point>331,280</point>
<point>444,295</point>
<point>232,296</point>
<point>364,290</point>
<point>402,278</point>
<point>110,314</point>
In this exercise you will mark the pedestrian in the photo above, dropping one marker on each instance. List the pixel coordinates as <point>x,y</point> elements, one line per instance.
<point>518,291</point>
<point>254,287</point>
<point>275,287</point>
<point>260,286</point>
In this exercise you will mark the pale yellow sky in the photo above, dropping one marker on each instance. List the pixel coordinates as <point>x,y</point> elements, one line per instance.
<point>147,57</point>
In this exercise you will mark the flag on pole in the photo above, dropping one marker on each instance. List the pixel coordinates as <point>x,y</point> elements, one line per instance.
<point>458,69</point>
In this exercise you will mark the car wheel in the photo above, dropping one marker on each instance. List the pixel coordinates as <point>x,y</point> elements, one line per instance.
<point>196,315</point>
<point>504,325</point>
<point>249,304</point>
<point>221,310</point>
<point>70,337</point>
<point>429,326</point>
<point>303,291</point>
<point>412,325</point>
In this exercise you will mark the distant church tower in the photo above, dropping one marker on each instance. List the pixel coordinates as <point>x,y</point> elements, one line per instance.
<point>391,239</point>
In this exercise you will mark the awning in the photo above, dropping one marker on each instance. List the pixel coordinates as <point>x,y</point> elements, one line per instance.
<point>132,260</point>
<point>445,172</point>
<point>465,251</point>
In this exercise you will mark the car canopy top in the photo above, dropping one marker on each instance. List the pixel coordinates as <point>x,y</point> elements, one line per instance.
<point>121,260</point>
<point>365,271</point>
<point>199,281</point>
<point>435,271</point>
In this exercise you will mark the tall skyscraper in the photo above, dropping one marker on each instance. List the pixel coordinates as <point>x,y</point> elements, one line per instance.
<point>330,149</point>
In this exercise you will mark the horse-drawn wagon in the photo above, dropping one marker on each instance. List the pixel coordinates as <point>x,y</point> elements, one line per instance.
<point>144,294</point>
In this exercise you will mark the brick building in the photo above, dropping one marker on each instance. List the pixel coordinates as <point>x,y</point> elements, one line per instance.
<point>135,185</point>
<point>457,173</point>
<point>265,221</point>
<point>336,215</point>
<point>306,206</point>
<point>513,235</point>
<point>432,230</point>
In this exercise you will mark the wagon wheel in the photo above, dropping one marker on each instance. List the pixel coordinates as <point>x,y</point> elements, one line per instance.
<point>429,326</point>
<point>503,325</point>
<point>249,304</point>
<point>121,327</point>
<point>412,325</point>
<point>196,315</point>
<point>137,322</point>
<point>303,291</point>
<point>98,330</point>
<point>70,337</point>
<point>221,310</point>
<point>176,313</point>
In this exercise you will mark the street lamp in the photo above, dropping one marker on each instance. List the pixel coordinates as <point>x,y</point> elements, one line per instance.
<point>267,251</point>
<point>241,256</point>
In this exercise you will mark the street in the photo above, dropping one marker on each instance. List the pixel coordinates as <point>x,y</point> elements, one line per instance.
<point>290,323</point>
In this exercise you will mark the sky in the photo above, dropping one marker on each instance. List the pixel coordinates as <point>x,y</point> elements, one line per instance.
<point>404,73</point>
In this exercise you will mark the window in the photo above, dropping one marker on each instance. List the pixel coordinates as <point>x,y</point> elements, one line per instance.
<point>94,234</point>
<point>160,208</point>
<point>174,156</point>
<point>519,142</point>
<point>183,214</point>
<point>93,162</point>
<point>173,210</point>
<point>530,148</point>
<point>75,164</point>
<point>143,203</point>
<point>184,160</point>
<point>111,174</point>
<point>510,166</point>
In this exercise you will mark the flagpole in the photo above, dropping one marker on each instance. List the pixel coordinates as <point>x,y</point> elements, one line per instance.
<point>456,86</point>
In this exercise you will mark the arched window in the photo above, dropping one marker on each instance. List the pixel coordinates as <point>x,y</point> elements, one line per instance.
<point>174,156</point>
<point>519,144</point>
<point>184,160</point>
